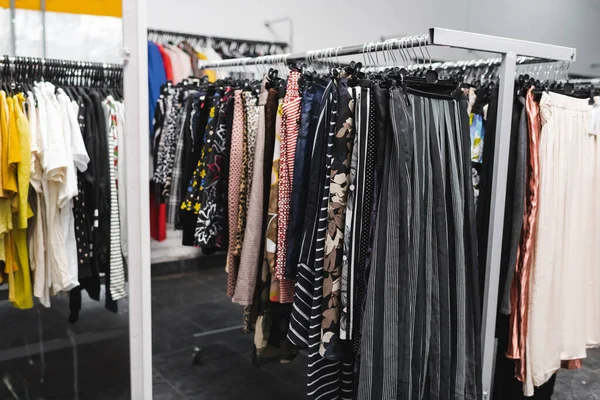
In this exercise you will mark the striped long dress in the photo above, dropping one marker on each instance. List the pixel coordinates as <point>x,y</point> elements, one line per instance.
<point>117,268</point>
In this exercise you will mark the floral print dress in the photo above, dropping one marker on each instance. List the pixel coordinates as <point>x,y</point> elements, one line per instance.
<point>336,220</point>
<point>193,199</point>
<point>211,227</point>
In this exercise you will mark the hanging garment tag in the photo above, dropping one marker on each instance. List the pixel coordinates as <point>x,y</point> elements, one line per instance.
<point>594,128</point>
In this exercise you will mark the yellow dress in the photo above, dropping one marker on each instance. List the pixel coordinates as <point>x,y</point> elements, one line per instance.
<point>4,116</point>
<point>15,241</point>
<point>5,211</point>
<point>23,168</point>
<point>12,151</point>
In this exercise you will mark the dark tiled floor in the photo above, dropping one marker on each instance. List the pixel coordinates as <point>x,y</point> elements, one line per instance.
<point>583,384</point>
<point>42,356</point>
<point>198,300</point>
<point>186,307</point>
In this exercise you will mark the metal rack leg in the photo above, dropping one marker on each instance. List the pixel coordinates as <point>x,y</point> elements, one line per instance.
<point>197,352</point>
<point>496,223</point>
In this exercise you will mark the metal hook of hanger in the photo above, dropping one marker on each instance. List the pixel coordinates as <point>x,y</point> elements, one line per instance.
<point>376,54</point>
<point>397,54</point>
<point>331,60</point>
<point>318,63</point>
<point>547,69</point>
<point>396,46</point>
<point>426,47</point>
<point>383,53</point>
<point>413,39</point>
<point>334,57</point>
<point>405,51</point>
<point>372,55</point>
<point>391,55</point>
<point>422,59</point>
<point>363,55</point>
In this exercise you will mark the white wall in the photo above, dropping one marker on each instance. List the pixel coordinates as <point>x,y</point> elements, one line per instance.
<point>317,23</point>
<point>574,23</point>
<point>327,23</point>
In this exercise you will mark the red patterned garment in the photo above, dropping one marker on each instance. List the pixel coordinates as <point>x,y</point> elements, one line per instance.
<point>235,177</point>
<point>290,124</point>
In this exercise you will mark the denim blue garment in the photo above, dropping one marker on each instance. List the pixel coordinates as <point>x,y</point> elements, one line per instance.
<point>309,117</point>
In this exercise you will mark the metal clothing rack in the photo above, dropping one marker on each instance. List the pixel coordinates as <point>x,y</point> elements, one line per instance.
<point>256,47</point>
<point>508,49</point>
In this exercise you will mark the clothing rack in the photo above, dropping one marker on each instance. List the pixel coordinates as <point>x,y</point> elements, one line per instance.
<point>16,70</point>
<point>29,69</point>
<point>509,49</point>
<point>256,47</point>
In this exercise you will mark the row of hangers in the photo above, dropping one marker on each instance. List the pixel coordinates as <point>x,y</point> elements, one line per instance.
<point>382,60</point>
<point>18,74</point>
<point>227,47</point>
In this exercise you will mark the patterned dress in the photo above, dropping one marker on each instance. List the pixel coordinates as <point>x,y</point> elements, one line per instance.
<point>168,141</point>
<point>211,226</point>
<point>193,199</point>
<point>351,231</point>
<point>289,135</point>
<point>336,219</point>
<point>235,176</point>
<point>272,226</point>
<point>250,128</point>
<point>250,257</point>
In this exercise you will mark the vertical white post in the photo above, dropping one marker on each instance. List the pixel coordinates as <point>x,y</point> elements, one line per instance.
<point>496,223</point>
<point>136,143</point>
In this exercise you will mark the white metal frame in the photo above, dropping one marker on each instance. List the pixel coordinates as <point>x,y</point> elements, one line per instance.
<point>136,145</point>
<point>136,78</point>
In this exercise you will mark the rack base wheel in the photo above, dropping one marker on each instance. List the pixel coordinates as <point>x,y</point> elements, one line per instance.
<point>197,356</point>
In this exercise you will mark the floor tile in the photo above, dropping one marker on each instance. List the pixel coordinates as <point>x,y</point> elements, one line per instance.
<point>187,308</point>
